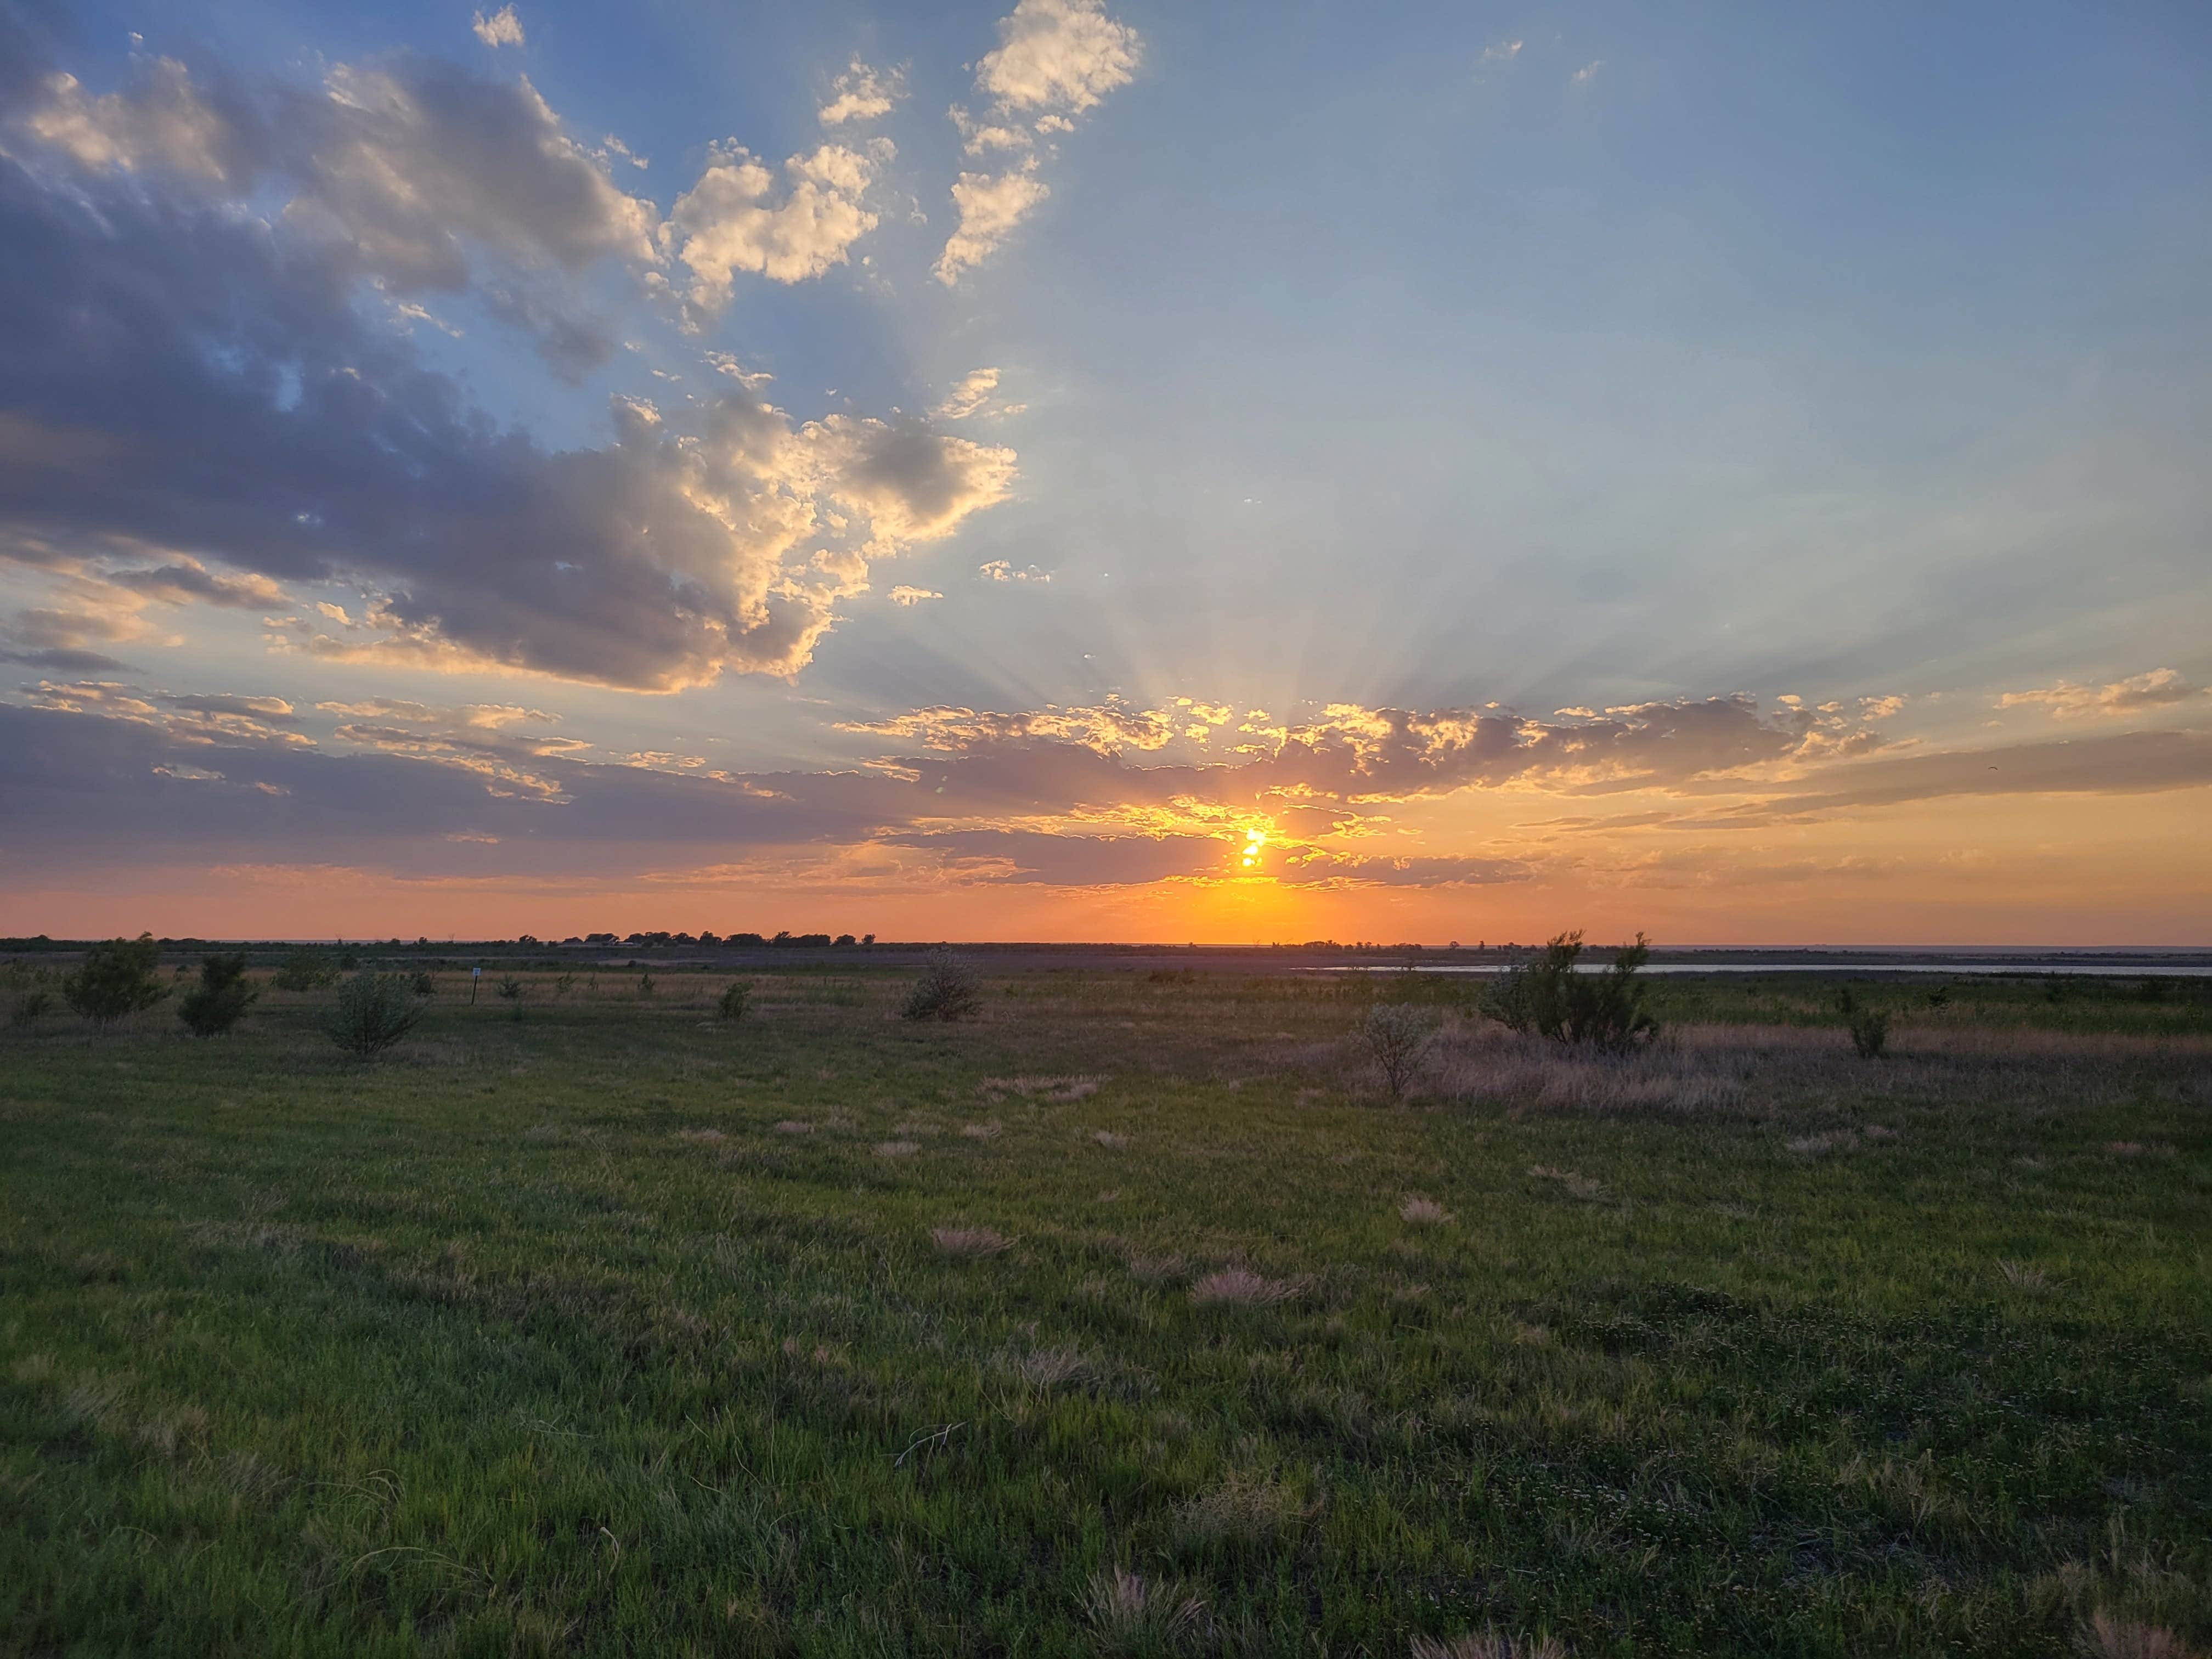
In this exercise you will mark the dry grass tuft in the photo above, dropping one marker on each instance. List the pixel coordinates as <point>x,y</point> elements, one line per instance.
<point>1050,1368</point>
<point>1062,1089</point>
<point>1240,1287</point>
<point>1133,1615</point>
<point>1245,1511</point>
<point>792,1126</point>
<point>705,1137</point>
<point>970,1243</point>
<point>1423,1212</point>
<point>898,1148</point>
<point>980,1131</point>
<point>1109,1140</point>
<point>1159,1269</point>
<point>1488,1645</point>
<point>2108,1638</point>
<point>1579,1187</point>
<point>1819,1146</point>
<point>2022,1277</point>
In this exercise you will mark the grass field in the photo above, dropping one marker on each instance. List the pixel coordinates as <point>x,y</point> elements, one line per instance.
<point>1129,1318</point>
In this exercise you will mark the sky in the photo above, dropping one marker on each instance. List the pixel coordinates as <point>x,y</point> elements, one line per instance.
<point>1067,470</point>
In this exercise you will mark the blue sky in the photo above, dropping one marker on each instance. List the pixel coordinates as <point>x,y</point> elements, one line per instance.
<point>1418,359</point>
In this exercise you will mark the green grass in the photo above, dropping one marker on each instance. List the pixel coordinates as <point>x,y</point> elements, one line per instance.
<point>542,1336</point>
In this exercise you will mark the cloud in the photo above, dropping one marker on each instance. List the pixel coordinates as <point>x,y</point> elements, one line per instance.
<point>2161,688</point>
<point>501,29</point>
<point>1060,55</point>
<point>1505,52</point>
<point>1002,570</point>
<point>413,172</point>
<point>1107,729</point>
<point>184,582</point>
<point>904,595</point>
<point>990,206</point>
<point>861,93</point>
<point>1587,72</point>
<point>1055,58</point>
<point>972,391</point>
<point>162,122</point>
<point>731,219</point>
<point>2131,762</point>
<point>190,377</point>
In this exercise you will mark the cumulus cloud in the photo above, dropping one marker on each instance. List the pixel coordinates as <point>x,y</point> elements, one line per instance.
<point>163,122</point>
<point>185,581</point>
<point>737,219</point>
<point>1062,55</point>
<point>501,29</point>
<point>190,378</point>
<point>1106,728</point>
<point>861,93</point>
<point>905,595</point>
<point>990,206</point>
<point>1054,59</point>
<point>2158,688</point>
<point>411,173</point>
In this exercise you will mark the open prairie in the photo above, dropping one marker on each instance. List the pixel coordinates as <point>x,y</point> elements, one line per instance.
<point>1130,1317</point>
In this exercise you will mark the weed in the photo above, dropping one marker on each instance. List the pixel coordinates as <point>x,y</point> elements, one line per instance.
<point>947,990</point>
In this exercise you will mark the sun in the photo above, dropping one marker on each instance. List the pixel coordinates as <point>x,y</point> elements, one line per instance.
<point>1255,838</point>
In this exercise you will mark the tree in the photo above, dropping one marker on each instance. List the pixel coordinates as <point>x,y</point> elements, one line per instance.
<point>305,971</point>
<point>219,1001</point>
<point>1397,1035</point>
<point>1547,997</point>
<point>373,1011</point>
<point>116,979</point>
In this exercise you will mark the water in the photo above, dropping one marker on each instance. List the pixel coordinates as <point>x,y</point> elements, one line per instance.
<point>2085,970</point>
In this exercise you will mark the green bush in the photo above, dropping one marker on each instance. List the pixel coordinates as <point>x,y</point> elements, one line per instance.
<point>1547,997</point>
<point>305,971</point>
<point>510,988</point>
<point>737,996</point>
<point>946,990</point>
<point>116,979</point>
<point>1870,1027</point>
<point>373,1011</point>
<point>422,983</point>
<point>1396,1034</point>
<point>219,1001</point>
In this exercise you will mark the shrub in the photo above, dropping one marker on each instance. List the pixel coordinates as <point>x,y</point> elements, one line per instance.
<point>29,994</point>
<point>946,990</point>
<point>305,971</point>
<point>1397,1036</point>
<point>645,984</point>
<point>422,983</point>
<point>735,995</point>
<point>1549,997</point>
<point>219,1001</point>
<point>115,979</point>
<point>510,989</point>
<point>1870,1027</point>
<point>373,1011</point>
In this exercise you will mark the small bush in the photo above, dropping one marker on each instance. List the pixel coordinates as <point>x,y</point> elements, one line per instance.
<point>305,971</point>
<point>219,1001</point>
<point>1870,1027</point>
<point>946,990</point>
<point>421,982</point>
<point>373,1011</point>
<point>736,997</point>
<point>29,995</point>
<point>509,988</point>
<point>115,978</point>
<point>1549,997</point>
<point>645,984</point>
<point>1397,1035</point>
